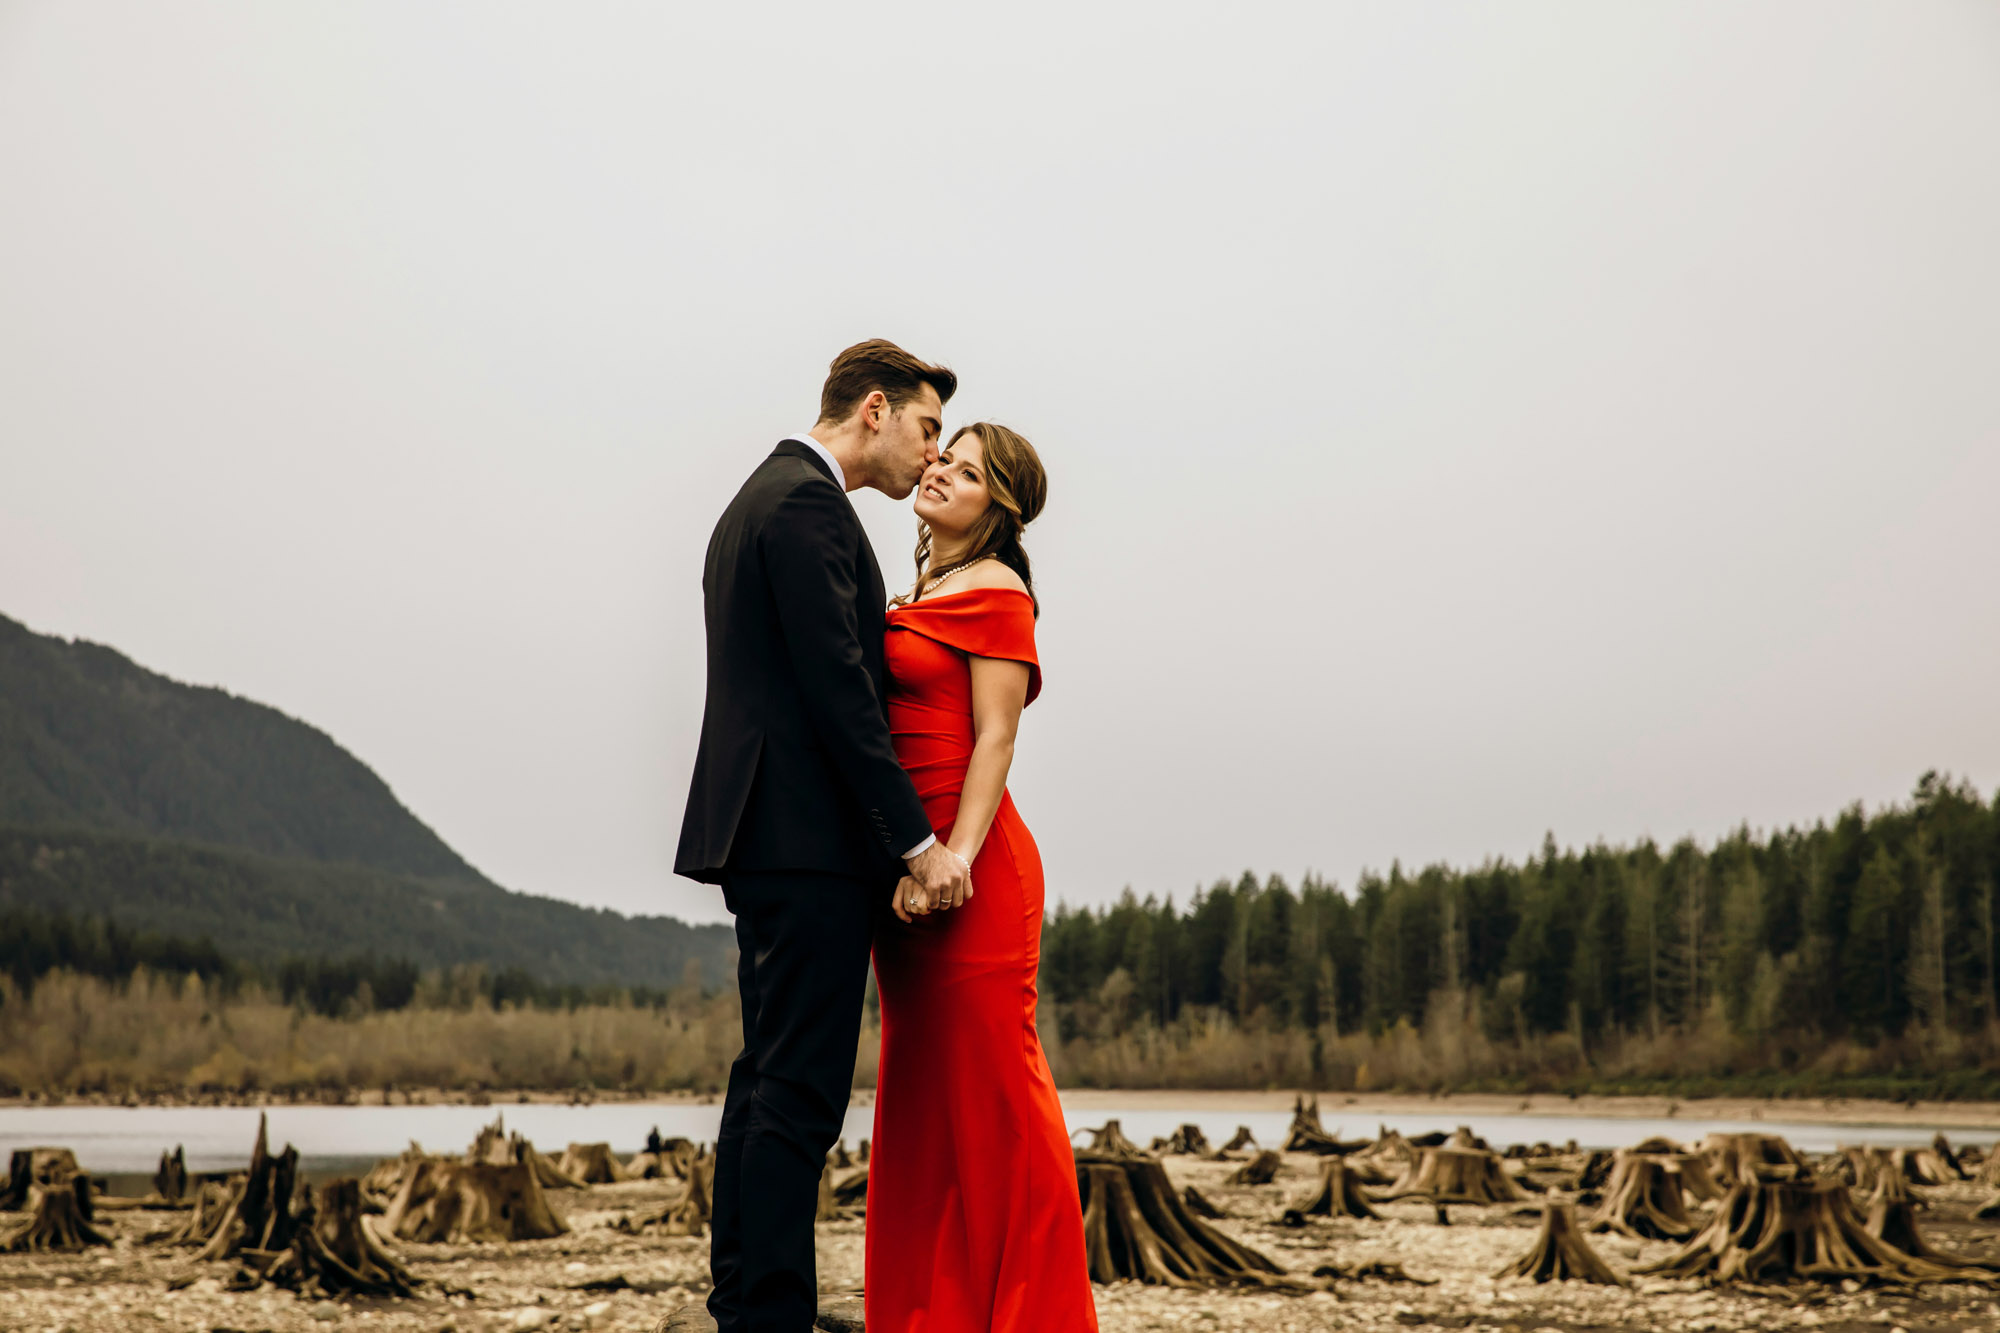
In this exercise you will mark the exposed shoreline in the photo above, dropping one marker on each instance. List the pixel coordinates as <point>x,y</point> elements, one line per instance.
<point>1334,1106</point>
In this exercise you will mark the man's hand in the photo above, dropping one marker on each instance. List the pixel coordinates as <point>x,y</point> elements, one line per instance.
<point>943,878</point>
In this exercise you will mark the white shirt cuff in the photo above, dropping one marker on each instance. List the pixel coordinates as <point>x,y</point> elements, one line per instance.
<point>921,847</point>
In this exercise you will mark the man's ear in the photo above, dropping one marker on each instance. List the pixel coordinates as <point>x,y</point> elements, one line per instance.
<point>875,409</point>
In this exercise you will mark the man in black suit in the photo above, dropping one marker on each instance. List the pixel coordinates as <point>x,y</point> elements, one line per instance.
<point>800,811</point>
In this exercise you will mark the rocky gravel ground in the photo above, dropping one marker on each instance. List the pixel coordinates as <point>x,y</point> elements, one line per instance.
<point>600,1278</point>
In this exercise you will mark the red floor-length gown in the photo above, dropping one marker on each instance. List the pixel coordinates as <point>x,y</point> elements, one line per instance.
<point>973,1219</point>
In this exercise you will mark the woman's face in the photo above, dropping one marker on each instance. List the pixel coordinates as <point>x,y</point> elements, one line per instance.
<point>952,494</point>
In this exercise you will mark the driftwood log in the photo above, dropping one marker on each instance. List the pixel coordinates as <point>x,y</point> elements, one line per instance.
<point>261,1213</point>
<point>58,1219</point>
<point>1339,1194</point>
<point>1259,1170</point>
<point>1448,1174</point>
<point>1645,1198</point>
<point>1560,1252</point>
<point>1136,1229</point>
<point>28,1169</point>
<point>592,1163</point>
<point>445,1199</point>
<point>1783,1229</point>
<point>334,1254</point>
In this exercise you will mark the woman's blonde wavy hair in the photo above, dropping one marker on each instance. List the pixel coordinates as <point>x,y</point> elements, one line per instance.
<point>1018,487</point>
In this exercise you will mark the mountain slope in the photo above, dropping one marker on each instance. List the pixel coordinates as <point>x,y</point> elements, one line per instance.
<point>89,739</point>
<point>262,909</point>
<point>190,811</point>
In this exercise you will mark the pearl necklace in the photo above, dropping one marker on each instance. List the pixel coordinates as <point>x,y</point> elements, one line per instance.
<point>935,580</point>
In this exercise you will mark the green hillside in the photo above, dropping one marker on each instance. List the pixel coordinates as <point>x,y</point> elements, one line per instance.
<point>192,812</point>
<point>90,739</point>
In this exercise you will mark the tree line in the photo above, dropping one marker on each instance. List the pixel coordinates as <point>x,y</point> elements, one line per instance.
<point>35,943</point>
<point>1872,930</point>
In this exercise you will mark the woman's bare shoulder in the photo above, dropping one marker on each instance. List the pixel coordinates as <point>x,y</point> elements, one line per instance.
<point>991,574</point>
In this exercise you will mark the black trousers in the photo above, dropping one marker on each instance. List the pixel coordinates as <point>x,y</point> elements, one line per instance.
<point>802,941</point>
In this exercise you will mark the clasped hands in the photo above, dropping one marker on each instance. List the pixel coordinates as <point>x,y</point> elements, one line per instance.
<point>939,879</point>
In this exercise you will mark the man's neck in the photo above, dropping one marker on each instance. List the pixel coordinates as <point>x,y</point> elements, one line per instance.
<point>845,447</point>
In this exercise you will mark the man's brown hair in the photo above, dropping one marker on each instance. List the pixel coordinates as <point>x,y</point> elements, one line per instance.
<point>879,364</point>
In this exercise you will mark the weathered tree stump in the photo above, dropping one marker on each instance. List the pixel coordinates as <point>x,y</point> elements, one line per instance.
<point>1892,1217</point>
<point>28,1169</point>
<point>1242,1140</point>
<point>261,1212</point>
<point>58,1219</point>
<point>851,1191</point>
<point>1135,1229</point>
<point>444,1199</point>
<point>1645,1199</point>
<point>1339,1194</point>
<point>826,1210</point>
<point>1448,1174</point>
<point>1390,1149</point>
<point>663,1159</point>
<point>1188,1140</point>
<point>1110,1138</point>
<point>1942,1147</point>
<point>495,1147</point>
<point>1989,1170</point>
<point>385,1179</point>
<point>1307,1134</point>
<point>1198,1204</point>
<point>1989,1210</point>
<point>1924,1166</point>
<point>687,1214</point>
<point>1259,1170</point>
<point>1741,1159</point>
<point>171,1180</point>
<point>204,1219</point>
<point>1560,1252</point>
<point>333,1253</point>
<point>1782,1229</point>
<point>592,1163</point>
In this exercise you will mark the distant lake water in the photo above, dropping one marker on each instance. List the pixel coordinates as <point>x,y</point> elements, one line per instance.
<point>116,1140</point>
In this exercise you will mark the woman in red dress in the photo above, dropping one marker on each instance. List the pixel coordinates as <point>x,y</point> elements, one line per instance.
<point>973,1218</point>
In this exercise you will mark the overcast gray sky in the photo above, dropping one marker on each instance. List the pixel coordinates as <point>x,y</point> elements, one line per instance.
<point>1464,420</point>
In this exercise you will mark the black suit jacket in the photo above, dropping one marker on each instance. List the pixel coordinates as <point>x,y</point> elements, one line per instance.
<point>795,769</point>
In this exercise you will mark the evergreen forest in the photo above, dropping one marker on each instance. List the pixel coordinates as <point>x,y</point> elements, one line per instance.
<point>1853,955</point>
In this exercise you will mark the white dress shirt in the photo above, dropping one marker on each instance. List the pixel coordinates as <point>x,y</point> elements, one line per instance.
<point>840,480</point>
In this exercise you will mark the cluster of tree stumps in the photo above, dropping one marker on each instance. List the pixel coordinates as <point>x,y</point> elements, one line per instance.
<point>1742,1208</point>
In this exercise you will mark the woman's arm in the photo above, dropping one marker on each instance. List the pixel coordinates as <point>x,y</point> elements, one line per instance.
<point>999,692</point>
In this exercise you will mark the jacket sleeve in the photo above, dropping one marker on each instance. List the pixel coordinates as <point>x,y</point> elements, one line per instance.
<point>809,546</point>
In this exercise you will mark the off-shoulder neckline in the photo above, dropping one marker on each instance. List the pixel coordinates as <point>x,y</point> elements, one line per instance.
<point>962,592</point>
